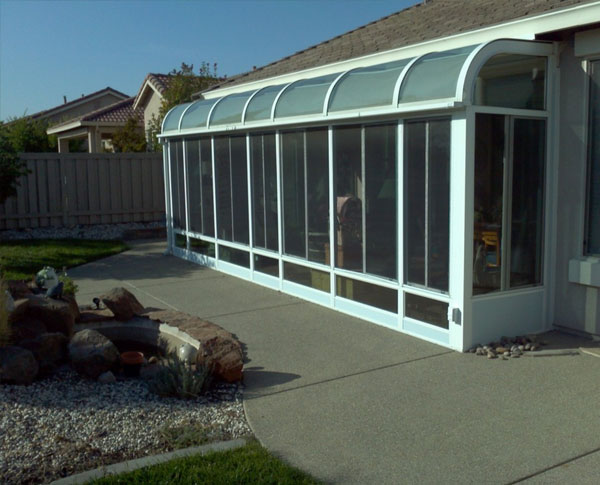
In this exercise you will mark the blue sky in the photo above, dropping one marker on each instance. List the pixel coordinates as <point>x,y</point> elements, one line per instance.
<point>53,48</point>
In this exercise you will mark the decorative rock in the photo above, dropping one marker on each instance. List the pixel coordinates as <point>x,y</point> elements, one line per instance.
<point>17,365</point>
<point>480,351</point>
<point>516,356</point>
<point>534,348</point>
<point>122,303</point>
<point>507,353</point>
<point>153,360</point>
<point>491,355</point>
<point>501,350</point>
<point>92,354</point>
<point>9,302</point>
<point>187,353</point>
<point>73,306</point>
<point>107,378</point>
<point>95,316</point>
<point>49,349</point>
<point>528,346</point>
<point>521,348</point>
<point>18,289</point>
<point>27,329</point>
<point>57,315</point>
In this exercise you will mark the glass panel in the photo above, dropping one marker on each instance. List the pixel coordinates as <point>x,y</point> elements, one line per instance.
<point>427,201</point>
<point>294,209</point>
<point>208,218</point>
<point>377,296</point>
<point>349,184</point>
<point>527,202</point>
<point>239,189</point>
<point>194,186</point>
<point>202,247</point>
<point>171,122</point>
<point>265,265</point>
<point>259,108</point>
<point>304,97</point>
<point>434,76</point>
<point>234,256</point>
<point>230,109</point>
<point>177,184</point>
<point>593,222</point>
<point>180,241</point>
<point>197,115</point>
<point>264,190</point>
<point>302,275</point>
<point>426,310</point>
<point>223,186</point>
<point>317,203</point>
<point>489,176</point>
<point>512,81</point>
<point>367,86</point>
<point>381,201</point>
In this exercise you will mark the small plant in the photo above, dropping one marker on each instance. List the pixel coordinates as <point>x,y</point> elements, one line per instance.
<point>178,379</point>
<point>190,434</point>
<point>69,286</point>
<point>5,329</point>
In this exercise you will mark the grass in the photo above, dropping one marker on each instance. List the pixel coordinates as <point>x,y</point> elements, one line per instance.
<point>23,259</point>
<point>250,464</point>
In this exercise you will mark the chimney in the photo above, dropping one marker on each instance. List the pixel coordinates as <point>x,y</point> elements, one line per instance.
<point>64,99</point>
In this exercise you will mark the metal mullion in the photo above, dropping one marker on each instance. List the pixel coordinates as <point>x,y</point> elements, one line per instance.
<point>214,194</point>
<point>332,214</point>
<point>506,195</point>
<point>364,198</point>
<point>186,191</point>
<point>264,191</point>
<point>199,161</point>
<point>169,196</point>
<point>400,258</point>
<point>426,204</point>
<point>367,278</point>
<point>249,200</point>
<point>278,172</point>
<point>305,195</point>
<point>231,189</point>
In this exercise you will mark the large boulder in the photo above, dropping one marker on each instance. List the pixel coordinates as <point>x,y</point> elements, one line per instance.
<point>57,315</point>
<point>92,354</point>
<point>17,365</point>
<point>18,289</point>
<point>27,329</point>
<point>49,349</point>
<point>122,303</point>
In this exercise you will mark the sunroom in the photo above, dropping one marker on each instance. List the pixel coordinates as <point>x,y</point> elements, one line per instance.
<point>413,193</point>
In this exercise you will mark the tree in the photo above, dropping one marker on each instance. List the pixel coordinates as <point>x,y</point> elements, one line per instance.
<point>11,166</point>
<point>183,84</point>
<point>26,134</point>
<point>129,138</point>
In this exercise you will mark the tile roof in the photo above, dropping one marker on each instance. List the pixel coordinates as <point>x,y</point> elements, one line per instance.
<point>117,113</point>
<point>60,107</point>
<point>425,21</point>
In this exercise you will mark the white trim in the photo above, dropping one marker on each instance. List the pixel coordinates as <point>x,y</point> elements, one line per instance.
<point>330,91</point>
<point>243,120</point>
<point>279,173</point>
<point>426,331</point>
<point>402,77</point>
<point>332,211</point>
<point>267,253</point>
<point>366,312</point>
<point>305,292</point>
<point>367,278</point>
<point>233,245</point>
<point>234,269</point>
<point>425,293</point>
<point>183,115</point>
<point>264,279</point>
<point>276,100</point>
<point>211,111</point>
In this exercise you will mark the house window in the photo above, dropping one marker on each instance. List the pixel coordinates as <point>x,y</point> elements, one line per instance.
<point>509,202</point>
<point>427,203</point>
<point>199,178</point>
<point>177,184</point>
<point>593,216</point>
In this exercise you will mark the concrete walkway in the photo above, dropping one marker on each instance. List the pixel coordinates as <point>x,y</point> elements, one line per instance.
<point>352,402</point>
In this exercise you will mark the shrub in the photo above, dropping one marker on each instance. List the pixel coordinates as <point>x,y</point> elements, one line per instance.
<point>69,286</point>
<point>178,379</point>
<point>4,325</point>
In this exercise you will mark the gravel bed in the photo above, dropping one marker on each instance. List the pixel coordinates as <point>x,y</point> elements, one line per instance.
<point>95,231</point>
<point>65,424</point>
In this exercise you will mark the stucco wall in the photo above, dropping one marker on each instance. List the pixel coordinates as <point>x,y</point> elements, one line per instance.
<point>151,108</point>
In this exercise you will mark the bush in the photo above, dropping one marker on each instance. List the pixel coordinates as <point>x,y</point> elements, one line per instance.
<point>178,379</point>
<point>69,286</point>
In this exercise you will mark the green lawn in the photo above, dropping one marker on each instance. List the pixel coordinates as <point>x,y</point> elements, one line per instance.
<point>23,259</point>
<point>250,464</point>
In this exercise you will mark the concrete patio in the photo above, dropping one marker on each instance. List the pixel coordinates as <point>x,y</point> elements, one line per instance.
<point>352,402</point>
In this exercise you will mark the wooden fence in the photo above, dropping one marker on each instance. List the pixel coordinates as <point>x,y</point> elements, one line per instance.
<point>65,189</point>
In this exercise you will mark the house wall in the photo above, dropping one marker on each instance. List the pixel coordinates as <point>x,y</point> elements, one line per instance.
<point>576,305</point>
<point>151,108</point>
<point>84,108</point>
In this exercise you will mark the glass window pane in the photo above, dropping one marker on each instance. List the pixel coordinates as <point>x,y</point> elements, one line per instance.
<point>302,275</point>
<point>512,81</point>
<point>171,122</point>
<point>239,188</point>
<point>294,208</point>
<point>234,256</point>
<point>197,115</point>
<point>527,202</point>
<point>180,241</point>
<point>366,87</point>
<point>177,184</point>
<point>194,188</point>
<point>434,76</point>
<point>489,186</point>
<point>202,247</point>
<point>223,185</point>
<point>381,201</point>
<point>349,184</point>
<point>426,310</point>
<point>377,296</point>
<point>265,265</point>
<point>259,108</point>
<point>304,97</point>
<point>317,203</point>
<point>264,191</point>
<point>230,109</point>
<point>208,218</point>
<point>593,229</point>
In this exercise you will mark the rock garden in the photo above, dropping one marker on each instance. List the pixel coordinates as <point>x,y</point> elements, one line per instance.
<point>82,386</point>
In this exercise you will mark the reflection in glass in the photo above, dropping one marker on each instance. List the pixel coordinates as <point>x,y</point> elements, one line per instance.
<point>171,122</point>
<point>512,81</point>
<point>202,247</point>
<point>593,222</point>
<point>302,275</point>
<point>261,105</point>
<point>192,148</point>
<point>177,184</point>
<point>229,110</point>
<point>377,296</point>
<point>304,97</point>
<point>234,256</point>
<point>266,265</point>
<point>223,187</point>
<point>426,310</point>
<point>263,165</point>
<point>197,115</point>
<point>180,241</point>
<point>208,212</point>
<point>294,209</point>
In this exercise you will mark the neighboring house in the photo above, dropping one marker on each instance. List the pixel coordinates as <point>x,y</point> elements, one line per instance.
<point>436,171</point>
<point>150,97</point>
<point>95,129</point>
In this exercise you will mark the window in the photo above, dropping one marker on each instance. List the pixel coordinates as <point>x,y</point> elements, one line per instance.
<point>177,184</point>
<point>305,183</point>
<point>427,203</point>
<point>593,215</point>
<point>199,179</point>
<point>509,200</point>
<point>232,188</point>
<point>263,165</point>
<point>365,188</point>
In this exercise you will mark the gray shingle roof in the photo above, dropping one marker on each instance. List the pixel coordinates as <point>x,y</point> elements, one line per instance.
<point>107,90</point>
<point>117,113</point>
<point>422,22</point>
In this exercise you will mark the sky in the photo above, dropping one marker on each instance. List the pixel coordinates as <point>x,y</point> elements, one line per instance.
<point>50,49</point>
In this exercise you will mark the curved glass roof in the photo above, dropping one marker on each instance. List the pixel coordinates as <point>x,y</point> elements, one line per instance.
<point>438,77</point>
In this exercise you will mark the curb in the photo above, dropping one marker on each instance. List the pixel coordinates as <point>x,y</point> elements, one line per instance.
<point>131,465</point>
